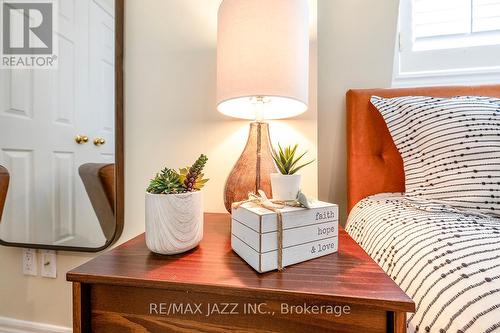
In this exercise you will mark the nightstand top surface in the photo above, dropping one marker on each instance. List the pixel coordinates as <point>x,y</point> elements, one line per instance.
<point>349,275</point>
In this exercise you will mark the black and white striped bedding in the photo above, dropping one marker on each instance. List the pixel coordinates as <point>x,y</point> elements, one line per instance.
<point>447,261</point>
<point>450,148</point>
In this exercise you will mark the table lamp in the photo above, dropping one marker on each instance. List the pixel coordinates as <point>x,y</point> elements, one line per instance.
<point>262,73</point>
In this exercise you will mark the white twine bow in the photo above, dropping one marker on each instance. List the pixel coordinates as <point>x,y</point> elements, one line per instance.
<point>261,200</point>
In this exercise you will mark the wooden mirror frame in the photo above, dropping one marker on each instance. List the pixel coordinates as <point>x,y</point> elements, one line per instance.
<point>119,209</point>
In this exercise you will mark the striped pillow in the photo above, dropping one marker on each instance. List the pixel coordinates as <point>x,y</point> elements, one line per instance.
<point>450,148</point>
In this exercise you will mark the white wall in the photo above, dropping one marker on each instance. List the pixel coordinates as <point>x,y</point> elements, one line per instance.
<point>356,41</point>
<point>170,100</point>
<point>170,118</point>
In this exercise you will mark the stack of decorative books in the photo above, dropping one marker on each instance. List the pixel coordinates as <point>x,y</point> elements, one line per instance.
<point>307,233</point>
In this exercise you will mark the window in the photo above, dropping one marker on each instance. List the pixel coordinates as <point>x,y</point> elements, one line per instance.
<point>448,41</point>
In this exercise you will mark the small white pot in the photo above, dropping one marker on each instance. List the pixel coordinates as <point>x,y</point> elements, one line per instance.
<point>285,187</point>
<point>174,222</point>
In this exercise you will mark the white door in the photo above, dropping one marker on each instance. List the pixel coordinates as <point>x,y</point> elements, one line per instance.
<point>41,113</point>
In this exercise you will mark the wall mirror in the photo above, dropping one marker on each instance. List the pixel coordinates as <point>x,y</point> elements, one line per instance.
<point>61,137</point>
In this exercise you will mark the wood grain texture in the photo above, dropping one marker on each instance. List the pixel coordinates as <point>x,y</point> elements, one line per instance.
<point>81,308</point>
<point>348,276</point>
<point>174,222</point>
<point>119,121</point>
<point>398,322</point>
<point>77,307</point>
<point>121,309</point>
<point>253,169</point>
<point>122,284</point>
<point>4,187</point>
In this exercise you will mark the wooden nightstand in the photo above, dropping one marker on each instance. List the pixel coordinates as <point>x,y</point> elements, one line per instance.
<point>210,289</point>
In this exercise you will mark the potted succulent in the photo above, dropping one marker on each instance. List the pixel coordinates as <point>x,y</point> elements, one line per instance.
<point>286,184</point>
<point>174,209</point>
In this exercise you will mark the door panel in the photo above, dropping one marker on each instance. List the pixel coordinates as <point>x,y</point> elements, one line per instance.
<point>64,83</point>
<point>19,205</point>
<point>64,196</point>
<point>19,93</point>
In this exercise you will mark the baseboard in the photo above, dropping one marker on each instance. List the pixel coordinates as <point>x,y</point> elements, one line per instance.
<point>9,325</point>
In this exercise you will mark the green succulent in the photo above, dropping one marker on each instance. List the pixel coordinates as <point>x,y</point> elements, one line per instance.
<point>191,177</point>
<point>166,181</point>
<point>286,161</point>
<point>188,179</point>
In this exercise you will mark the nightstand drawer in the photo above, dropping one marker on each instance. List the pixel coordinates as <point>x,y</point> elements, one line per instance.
<point>131,309</point>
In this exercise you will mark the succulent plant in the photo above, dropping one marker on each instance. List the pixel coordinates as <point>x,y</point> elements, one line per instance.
<point>188,179</point>
<point>286,161</point>
<point>166,181</point>
<point>191,177</point>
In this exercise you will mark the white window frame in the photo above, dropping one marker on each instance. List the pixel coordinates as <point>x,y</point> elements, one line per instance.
<point>417,65</point>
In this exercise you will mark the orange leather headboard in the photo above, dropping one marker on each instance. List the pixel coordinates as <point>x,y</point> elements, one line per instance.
<point>374,165</point>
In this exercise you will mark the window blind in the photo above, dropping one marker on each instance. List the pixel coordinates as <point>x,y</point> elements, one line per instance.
<point>435,18</point>
<point>448,41</point>
<point>485,15</point>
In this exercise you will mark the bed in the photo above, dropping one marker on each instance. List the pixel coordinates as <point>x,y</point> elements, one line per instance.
<point>448,261</point>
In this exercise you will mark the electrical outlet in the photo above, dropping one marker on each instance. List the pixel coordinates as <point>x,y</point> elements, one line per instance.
<point>49,264</point>
<point>29,262</point>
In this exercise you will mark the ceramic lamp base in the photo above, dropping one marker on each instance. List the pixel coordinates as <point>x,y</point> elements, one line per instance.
<point>253,169</point>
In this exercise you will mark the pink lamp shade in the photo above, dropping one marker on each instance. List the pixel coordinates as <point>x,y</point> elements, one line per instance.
<point>263,58</point>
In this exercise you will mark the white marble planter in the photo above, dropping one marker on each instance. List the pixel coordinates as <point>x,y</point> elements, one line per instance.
<point>174,222</point>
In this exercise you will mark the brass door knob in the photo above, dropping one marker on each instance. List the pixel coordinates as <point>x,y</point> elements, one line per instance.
<point>99,141</point>
<point>81,139</point>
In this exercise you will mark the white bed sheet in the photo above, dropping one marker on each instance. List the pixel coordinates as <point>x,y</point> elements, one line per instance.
<point>447,261</point>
